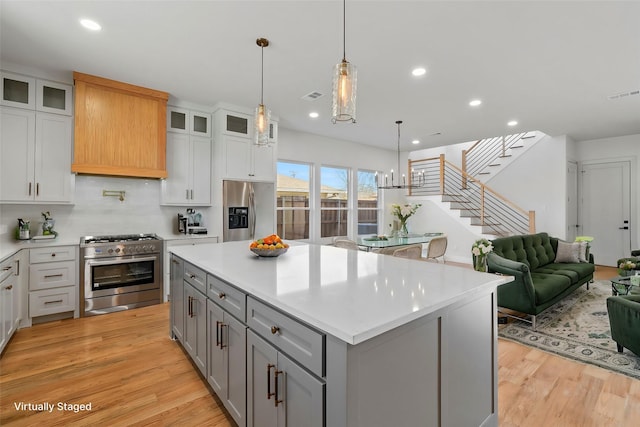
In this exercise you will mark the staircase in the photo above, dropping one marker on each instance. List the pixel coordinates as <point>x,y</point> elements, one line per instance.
<point>486,209</point>
<point>487,156</point>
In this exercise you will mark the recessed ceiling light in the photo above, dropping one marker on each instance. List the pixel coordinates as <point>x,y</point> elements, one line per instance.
<point>314,115</point>
<point>512,123</point>
<point>90,24</point>
<point>475,102</point>
<point>415,141</point>
<point>419,71</point>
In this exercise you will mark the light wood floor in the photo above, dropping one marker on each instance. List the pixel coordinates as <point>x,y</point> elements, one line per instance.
<point>127,368</point>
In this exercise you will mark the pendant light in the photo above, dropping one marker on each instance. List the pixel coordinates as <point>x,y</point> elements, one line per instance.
<point>263,114</point>
<point>344,82</point>
<point>417,180</point>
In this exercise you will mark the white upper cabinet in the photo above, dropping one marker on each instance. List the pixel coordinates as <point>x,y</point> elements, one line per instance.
<point>35,94</point>
<point>236,124</point>
<point>18,91</point>
<point>35,157</point>
<point>182,120</point>
<point>237,156</point>
<point>188,158</point>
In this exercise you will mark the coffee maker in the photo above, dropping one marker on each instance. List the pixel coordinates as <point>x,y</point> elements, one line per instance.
<point>191,223</point>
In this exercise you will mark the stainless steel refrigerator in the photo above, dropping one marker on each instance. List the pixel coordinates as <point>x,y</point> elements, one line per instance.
<point>248,210</point>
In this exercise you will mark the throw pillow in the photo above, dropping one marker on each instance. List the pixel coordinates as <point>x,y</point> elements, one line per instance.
<point>568,252</point>
<point>583,252</point>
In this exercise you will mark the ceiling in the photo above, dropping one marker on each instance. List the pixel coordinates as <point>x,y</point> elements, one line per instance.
<point>552,66</point>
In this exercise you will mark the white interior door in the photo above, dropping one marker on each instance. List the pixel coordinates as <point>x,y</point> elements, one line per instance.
<point>606,210</point>
<point>572,201</point>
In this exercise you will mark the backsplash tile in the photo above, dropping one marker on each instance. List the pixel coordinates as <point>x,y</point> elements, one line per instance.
<point>94,214</point>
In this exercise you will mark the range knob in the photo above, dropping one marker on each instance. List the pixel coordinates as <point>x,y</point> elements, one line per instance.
<point>117,250</point>
<point>110,251</point>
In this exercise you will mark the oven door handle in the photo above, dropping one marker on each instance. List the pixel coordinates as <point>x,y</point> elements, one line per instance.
<point>92,262</point>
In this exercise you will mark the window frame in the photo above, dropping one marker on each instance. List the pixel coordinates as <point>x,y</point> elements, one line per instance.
<point>311,206</point>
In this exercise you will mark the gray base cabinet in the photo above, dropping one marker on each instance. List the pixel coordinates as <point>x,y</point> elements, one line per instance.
<point>177,298</point>
<point>227,366</point>
<point>279,392</point>
<point>195,326</point>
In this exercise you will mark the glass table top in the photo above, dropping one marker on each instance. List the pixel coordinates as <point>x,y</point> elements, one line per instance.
<point>376,242</point>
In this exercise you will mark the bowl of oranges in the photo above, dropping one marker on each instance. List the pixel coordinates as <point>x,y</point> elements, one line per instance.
<point>270,246</point>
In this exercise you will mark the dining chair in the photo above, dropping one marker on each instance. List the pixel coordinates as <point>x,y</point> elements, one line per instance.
<point>343,242</point>
<point>437,248</point>
<point>386,251</point>
<point>409,251</point>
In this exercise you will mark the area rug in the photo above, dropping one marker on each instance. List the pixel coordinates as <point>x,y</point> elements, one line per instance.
<point>577,328</point>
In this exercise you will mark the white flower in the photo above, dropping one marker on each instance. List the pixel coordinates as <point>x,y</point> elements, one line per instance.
<point>475,251</point>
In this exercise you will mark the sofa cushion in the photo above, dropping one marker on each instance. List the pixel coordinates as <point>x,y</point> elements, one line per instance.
<point>549,286</point>
<point>582,269</point>
<point>539,249</point>
<point>511,248</point>
<point>560,269</point>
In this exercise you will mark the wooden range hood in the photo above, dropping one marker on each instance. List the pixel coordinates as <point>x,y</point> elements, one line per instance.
<point>120,129</point>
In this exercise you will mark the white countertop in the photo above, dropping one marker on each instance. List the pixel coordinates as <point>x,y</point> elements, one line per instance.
<point>352,295</point>
<point>10,246</point>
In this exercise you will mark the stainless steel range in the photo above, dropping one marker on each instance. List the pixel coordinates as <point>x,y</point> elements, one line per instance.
<point>120,272</point>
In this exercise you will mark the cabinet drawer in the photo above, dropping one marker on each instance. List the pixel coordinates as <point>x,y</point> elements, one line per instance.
<point>304,344</point>
<point>52,275</point>
<point>196,277</point>
<point>54,253</point>
<point>227,297</point>
<point>51,301</point>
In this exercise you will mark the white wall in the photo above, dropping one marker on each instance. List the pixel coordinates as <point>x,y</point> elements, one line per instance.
<point>536,181</point>
<point>618,148</point>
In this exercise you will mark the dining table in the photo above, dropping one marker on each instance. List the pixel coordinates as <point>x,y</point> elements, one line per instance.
<point>371,243</point>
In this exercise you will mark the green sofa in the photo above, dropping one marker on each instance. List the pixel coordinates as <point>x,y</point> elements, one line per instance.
<point>540,281</point>
<point>624,318</point>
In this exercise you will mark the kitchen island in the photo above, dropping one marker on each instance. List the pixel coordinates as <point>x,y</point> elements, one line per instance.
<point>381,340</point>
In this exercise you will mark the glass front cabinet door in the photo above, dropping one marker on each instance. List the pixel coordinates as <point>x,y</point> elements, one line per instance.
<point>35,94</point>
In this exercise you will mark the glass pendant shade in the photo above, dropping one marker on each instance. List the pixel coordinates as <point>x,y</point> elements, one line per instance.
<point>262,124</point>
<point>344,92</point>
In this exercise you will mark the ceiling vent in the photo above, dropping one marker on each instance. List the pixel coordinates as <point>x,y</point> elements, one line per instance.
<point>624,94</point>
<point>312,96</point>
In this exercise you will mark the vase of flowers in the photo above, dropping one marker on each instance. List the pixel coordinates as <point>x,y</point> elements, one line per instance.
<point>626,268</point>
<point>403,213</point>
<point>480,250</point>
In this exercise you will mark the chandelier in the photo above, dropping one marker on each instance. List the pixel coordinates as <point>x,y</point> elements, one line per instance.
<point>416,180</point>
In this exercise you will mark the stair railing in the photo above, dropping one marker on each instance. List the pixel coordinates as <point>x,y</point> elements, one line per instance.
<point>486,207</point>
<point>486,152</point>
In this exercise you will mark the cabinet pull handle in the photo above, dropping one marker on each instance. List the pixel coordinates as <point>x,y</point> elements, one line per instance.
<point>53,302</point>
<point>187,194</point>
<point>222,345</point>
<point>222,295</point>
<point>191,194</point>
<point>7,268</point>
<point>49,276</point>
<point>29,188</point>
<point>275,394</point>
<point>53,254</point>
<point>190,310</point>
<point>175,261</point>
<point>218,334</point>
<point>8,288</point>
<point>17,273</point>
<point>37,189</point>
<point>269,394</point>
<point>192,276</point>
<point>275,330</point>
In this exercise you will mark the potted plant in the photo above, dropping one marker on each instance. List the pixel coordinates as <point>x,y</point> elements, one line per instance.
<point>480,250</point>
<point>403,213</point>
